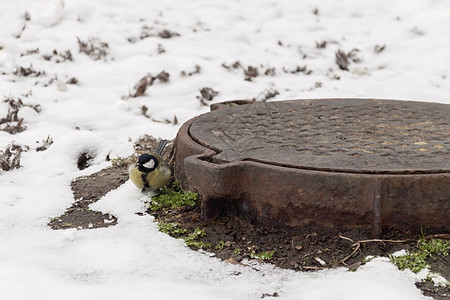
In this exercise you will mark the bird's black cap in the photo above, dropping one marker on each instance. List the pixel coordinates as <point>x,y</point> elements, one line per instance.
<point>143,160</point>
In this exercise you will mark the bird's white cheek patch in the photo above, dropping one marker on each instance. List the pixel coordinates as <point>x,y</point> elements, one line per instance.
<point>150,164</point>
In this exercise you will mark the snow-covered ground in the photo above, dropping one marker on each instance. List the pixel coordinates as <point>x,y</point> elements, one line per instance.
<point>133,260</point>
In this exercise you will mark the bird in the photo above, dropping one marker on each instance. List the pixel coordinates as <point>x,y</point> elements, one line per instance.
<point>151,171</point>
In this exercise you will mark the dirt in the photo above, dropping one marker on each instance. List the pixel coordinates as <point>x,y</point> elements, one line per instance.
<point>309,249</point>
<point>87,190</point>
<point>430,290</point>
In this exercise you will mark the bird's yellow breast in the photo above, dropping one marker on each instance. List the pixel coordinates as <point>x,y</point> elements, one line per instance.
<point>136,176</point>
<point>159,177</point>
<point>156,179</point>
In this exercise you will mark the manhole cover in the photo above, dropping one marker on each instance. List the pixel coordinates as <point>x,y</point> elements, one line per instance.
<point>328,162</point>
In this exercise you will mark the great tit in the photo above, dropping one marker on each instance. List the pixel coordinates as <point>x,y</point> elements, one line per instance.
<point>150,171</point>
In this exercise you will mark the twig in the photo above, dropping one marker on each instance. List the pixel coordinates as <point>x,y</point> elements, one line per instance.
<point>383,241</point>
<point>309,268</point>
<point>346,238</point>
<point>172,157</point>
<point>443,259</point>
<point>399,229</point>
<point>354,251</point>
<point>283,260</point>
<point>320,261</point>
<point>357,244</point>
<point>334,259</point>
<point>441,235</point>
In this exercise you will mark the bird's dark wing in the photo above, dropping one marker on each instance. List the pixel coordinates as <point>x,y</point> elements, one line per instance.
<point>160,147</point>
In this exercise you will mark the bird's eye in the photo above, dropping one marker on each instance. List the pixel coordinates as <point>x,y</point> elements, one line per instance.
<point>150,164</point>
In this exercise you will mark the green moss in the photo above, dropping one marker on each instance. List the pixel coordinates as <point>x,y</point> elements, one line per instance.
<point>237,251</point>
<point>198,244</point>
<point>417,261</point>
<point>170,228</point>
<point>434,246</point>
<point>198,233</point>
<point>220,245</point>
<point>266,255</point>
<point>172,197</point>
<point>192,239</point>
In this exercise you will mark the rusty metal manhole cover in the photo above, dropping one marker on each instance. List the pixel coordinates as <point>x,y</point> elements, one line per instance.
<point>327,162</point>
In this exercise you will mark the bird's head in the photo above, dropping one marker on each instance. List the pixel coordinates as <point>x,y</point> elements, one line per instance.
<point>147,163</point>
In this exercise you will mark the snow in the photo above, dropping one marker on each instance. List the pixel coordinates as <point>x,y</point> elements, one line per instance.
<point>132,260</point>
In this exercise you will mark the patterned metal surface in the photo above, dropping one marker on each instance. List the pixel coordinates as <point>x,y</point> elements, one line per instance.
<point>341,135</point>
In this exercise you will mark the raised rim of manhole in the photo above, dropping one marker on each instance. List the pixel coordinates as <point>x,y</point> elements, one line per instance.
<point>328,162</point>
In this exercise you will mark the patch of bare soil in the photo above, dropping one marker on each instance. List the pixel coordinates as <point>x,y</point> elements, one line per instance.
<point>428,289</point>
<point>87,190</point>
